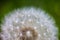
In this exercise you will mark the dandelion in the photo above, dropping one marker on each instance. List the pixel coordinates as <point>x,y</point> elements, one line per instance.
<point>28,24</point>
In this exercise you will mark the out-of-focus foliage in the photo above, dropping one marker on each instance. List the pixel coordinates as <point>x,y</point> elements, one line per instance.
<point>50,6</point>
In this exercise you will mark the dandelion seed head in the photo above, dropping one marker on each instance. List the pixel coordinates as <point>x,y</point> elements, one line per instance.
<point>28,24</point>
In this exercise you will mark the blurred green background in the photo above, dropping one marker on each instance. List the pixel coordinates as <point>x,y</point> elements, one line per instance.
<point>50,6</point>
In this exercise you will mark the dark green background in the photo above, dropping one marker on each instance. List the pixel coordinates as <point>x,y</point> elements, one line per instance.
<point>50,6</point>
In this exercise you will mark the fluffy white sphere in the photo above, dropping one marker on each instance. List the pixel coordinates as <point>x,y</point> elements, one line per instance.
<point>37,19</point>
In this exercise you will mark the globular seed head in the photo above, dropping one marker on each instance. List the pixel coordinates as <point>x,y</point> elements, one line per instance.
<point>28,24</point>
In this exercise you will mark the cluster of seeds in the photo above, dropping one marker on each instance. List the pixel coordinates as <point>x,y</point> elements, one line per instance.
<point>28,24</point>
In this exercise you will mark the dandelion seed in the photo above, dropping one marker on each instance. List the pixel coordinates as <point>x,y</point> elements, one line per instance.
<point>21,34</point>
<point>22,22</point>
<point>17,27</point>
<point>35,28</point>
<point>12,28</point>
<point>28,33</point>
<point>29,15</point>
<point>39,35</point>
<point>44,34</point>
<point>15,35</point>
<point>30,20</point>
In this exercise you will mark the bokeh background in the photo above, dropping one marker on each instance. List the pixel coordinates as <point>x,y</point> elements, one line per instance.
<point>50,6</point>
